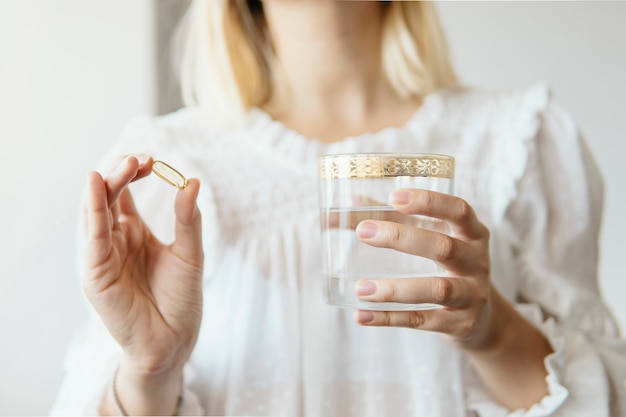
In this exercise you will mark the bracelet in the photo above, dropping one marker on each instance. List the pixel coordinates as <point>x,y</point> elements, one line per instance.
<point>120,408</point>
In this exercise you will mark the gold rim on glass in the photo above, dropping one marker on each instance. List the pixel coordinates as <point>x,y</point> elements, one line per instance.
<point>385,165</point>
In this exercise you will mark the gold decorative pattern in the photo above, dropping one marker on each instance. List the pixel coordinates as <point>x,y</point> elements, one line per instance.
<point>385,165</point>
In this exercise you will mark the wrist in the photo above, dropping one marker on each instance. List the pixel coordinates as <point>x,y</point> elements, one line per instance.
<point>497,335</point>
<point>507,331</point>
<point>146,393</point>
<point>510,358</point>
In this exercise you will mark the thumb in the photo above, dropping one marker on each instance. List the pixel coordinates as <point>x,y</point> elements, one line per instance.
<point>188,228</point>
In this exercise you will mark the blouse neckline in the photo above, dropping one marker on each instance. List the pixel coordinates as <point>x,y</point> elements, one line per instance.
<point>261,120</point>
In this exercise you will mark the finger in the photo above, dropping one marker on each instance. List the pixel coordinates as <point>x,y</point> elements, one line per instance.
<point>128,170</point>
<point>145,164</point>
<point>188,229</point>
<point>445,291</point>
<point>349,219</point>
<point>456,211</point>
<point>126,204</point>
<point>362,208</point>
<point>450,253</point>
<point>144,168</point>
<point>97,218</point>
<point>439,319</point>
<point>455,323</point>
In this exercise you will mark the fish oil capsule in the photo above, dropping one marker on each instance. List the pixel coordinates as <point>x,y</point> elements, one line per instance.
<point>169,174</point>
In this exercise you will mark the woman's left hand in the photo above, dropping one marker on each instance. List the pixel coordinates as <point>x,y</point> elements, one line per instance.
<point>464,291</point>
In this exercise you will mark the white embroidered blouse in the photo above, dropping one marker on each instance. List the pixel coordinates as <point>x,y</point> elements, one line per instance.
<point>269,345</point>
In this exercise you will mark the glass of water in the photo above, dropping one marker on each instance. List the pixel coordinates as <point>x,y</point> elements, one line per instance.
<point>356,187</point>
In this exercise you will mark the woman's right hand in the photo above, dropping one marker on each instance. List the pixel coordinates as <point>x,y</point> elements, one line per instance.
<point>149,295</point>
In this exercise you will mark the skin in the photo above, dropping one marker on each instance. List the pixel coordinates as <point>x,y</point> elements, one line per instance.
<point>331,102</point>
<point>505,349</point>
<point>156,320</point>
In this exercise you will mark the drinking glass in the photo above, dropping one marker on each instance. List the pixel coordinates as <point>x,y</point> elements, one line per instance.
<point>356,187</point>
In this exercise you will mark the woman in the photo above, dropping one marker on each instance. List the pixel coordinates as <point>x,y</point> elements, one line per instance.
<point>228,319</point>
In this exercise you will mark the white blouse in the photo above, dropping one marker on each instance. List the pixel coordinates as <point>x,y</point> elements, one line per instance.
<point>269,345</point>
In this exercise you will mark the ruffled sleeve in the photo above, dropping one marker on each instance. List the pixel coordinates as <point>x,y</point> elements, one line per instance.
<point>93,354</point>
<point>552,211</point>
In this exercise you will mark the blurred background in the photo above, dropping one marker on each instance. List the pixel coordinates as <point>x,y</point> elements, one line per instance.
<point>73,72</point>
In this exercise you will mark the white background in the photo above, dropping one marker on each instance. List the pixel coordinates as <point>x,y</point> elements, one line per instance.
<point>579,50</point>
<point>73,72</point>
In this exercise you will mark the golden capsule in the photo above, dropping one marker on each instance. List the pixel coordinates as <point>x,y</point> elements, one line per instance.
<point>169,174</point>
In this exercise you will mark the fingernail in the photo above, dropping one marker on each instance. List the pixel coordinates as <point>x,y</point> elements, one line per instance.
<point>366,230</point>
<point>400,197</point>
<point>365,287</point>
<point>364,316</point>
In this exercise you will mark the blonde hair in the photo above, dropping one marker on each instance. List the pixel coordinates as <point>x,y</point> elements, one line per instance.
<point>227,56</point>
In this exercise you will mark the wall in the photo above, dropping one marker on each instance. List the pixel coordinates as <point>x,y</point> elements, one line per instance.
<point>578,49</point>
<point>71,74</point>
